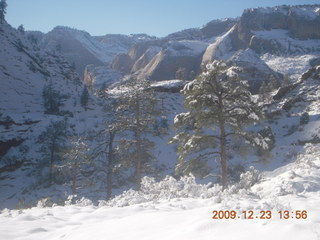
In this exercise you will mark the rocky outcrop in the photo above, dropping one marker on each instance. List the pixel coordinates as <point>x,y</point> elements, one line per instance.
<point>145,58</point>
<point>153,59</point>
<point>300,22</point>
<point>217,27</point>
<point>100,77</point>
<point>62,41</point>
<point>304,22</point>
<point>6,145</point>
<point>122,63</point>
<point>253,69</point>
<point>218,49</point>
<point>278,31</point>
<point>183,56</point>
<point>82,49</point>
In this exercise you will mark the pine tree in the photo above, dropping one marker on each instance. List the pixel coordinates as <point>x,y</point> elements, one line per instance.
<point>84,99</point>
<point>137,115</point>
<point>107,150</point>
<point>3,10</point>
<point>267,87</point>
<point>76,159</point>
<point>52,99</point>
<point>53,141</point>
<point>219,105</point>
<point>21,29</point>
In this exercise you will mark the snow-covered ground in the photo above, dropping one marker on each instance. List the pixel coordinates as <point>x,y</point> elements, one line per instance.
<point>183,210</point>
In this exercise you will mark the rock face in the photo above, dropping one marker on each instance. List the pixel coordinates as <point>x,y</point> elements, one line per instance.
<point>300,22</point>
<point>253,69</point>
<point>278,31</point>
<point>176,55</point>
<point>82,49</point>
<point>100,77</point>
<point>122,63</point>
<point>62,40</point>
<point>269,33</point>
<point>179,59</point>
<point>217,27</point>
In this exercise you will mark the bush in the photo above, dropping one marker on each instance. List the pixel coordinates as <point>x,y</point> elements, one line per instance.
<point>168,188</point>
<point>304,119</point>
<point>269,134</point>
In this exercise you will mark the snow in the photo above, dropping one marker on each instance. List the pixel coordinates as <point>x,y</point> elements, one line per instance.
<point>169,83</point>
<point>169,209</point>
<point>104,48</point>
<point>290,44</point>
<point>220,49</point>
<point>102,76</point>
<point>294,56</point>
<point>309,12</point>
<point>292,66</point>
<point>294,187</point>
<point>186,47</point>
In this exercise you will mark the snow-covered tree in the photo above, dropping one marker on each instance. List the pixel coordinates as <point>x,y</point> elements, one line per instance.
<point>52,142</point>
<point>84,98</point>
<point>138,113</point>
<point>3,10</point>
<point>107,148</point>
<point>267,87</point>
<point>76,162</point>
<point>52,99</point>
<point>219,106</point>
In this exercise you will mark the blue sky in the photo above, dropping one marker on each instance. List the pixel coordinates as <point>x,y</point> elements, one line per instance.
<point>154,17</point>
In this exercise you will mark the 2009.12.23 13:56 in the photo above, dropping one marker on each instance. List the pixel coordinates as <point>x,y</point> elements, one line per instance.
<point>285,214</point>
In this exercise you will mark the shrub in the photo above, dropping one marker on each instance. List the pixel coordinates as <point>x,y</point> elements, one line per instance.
<point>304,119</point>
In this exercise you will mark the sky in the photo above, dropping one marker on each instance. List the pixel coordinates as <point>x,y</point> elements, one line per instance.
<point>154,17</point>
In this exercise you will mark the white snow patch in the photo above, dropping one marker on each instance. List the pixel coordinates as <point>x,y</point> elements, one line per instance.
<point>183,210</point>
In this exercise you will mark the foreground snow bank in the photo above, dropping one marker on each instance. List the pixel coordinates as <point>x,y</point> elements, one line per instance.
<point>182,209</point>
<point>186,187</point>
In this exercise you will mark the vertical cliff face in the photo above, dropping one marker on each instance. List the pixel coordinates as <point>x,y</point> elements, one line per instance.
<point>277,37</point>
<point>301,22</point>
<point>101,76</point>
<point>64,41</point>
<point>179,59</point>
<point>176,55</point>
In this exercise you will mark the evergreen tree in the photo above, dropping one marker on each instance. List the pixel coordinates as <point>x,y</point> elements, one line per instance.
<point>84,99</point>
<point>53,141</point>
<point>219,105</point>
<point>267,87</point>
<point>21,29</point>
<point>305,118</point>
<point>107,149</point>
<point>52,99</point>
<point>137,115</point>
<point>3,10</point>
<point>76,162</point>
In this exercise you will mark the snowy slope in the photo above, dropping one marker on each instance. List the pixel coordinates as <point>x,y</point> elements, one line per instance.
<point>294,55</point>
<point>24,71</point>
<point>104,48</point>
<point>292,188</point>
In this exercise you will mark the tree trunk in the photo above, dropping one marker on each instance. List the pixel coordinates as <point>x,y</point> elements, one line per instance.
<point>223,156</point>
<point>110,165</point>
<point>137,174</point>
<point>223,146</point>
<point>51,163</point>
<point>75,174</point>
